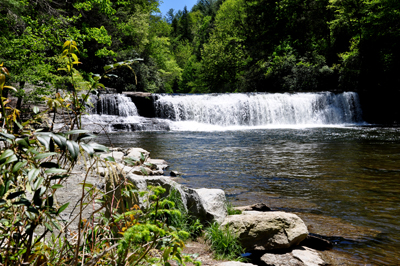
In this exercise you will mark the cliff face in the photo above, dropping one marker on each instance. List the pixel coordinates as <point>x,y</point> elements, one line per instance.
<point>144,102</point>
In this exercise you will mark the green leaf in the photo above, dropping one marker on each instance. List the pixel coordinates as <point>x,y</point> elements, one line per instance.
<point>32,210</point>
<point>32,174</point>
<point>18,124</point>
<point>98,147</point>
<point>45,140</point>
<point>24,143</point>
<point>49,165</point>
<point>6,153</point>
<point>23,201</point>
<point>110,159</point>
<point>50,201</point>
<point>77,131</point>
<point>15,194</point>
<point>56,224</point>
<point>86,137</point>
<point>48,226</point>
<point>38,182</point>
<point>55,171</point>
<point>73,149</point>
<point>37,200</point>
<point>41,156</point>
<point>7,136</point>
<point>18,165</point>
<point>108,67</point>
<point>88,185</point>
<point>35,109</point>
<point>58,177</point>
<point>57,186</point>
<point>62,208</point>
<point>60,141</point>
<point>88,149</point>
<point>11,159</point>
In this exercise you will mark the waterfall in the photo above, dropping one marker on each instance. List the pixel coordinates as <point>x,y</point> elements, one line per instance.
<point>113,104</point>
<point>261,109</point>
<point>116,112</point>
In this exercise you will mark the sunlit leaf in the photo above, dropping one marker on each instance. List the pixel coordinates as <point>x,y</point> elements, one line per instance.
<point>6,153</point>
<point>55,171</point>
<point>41,156</point>
<point>6,135</point>
<point>35,109</point>
<point>18,166</point>
<point>62,208</point>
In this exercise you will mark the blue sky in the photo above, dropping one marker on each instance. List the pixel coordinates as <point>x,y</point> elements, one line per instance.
<point>176,5</point>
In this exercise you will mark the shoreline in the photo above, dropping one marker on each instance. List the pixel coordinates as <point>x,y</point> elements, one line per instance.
<point>329,256</point>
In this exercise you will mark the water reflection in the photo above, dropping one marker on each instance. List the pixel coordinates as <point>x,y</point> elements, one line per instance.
<point>346,175</point>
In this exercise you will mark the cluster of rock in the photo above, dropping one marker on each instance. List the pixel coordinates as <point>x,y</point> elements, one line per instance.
<point>274,237</point>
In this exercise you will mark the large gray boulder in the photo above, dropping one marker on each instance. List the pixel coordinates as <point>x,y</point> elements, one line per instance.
<point>267,230</point>
<point>300,256</point>
<point>207,205</point>
<point>142,183</point>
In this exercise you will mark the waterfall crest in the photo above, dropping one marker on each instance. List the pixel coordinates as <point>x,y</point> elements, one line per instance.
<point>113,104</point>
<point>259,109</point>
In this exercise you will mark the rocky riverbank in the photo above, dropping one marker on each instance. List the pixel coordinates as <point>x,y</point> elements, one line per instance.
<point>270,237</point>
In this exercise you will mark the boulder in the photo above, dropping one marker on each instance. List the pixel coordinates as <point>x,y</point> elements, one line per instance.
<point>207,205</point>
<point>135,153</point>
<point>260,207</point>
<point>267,230</point>
<point>117,155</point>
<point>300,256</point>
<point>161,164</point>
<point>142,182</point>
<point>175,173</point>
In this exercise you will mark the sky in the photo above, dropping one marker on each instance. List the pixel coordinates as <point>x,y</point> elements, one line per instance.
<point>176,5</point>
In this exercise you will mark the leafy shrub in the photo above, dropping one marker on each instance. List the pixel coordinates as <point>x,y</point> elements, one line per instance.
<point>34,165</point>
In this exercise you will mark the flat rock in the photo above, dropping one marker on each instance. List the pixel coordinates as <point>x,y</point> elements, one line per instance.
<point>300,256</point>
<point>161,164</point>
<point>267,230</point>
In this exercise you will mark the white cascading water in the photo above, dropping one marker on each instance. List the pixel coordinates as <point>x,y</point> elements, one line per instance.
<point>113,104</point>
<point>262,109</point>
<point>111,112</point>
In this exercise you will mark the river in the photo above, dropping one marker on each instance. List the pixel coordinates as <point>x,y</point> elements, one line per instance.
<point>342,180</point>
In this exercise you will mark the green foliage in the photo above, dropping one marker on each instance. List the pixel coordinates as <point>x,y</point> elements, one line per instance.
<point>183,221</point>
<point>224,243</point>
<point>231,210</point>
<point>35,165</point>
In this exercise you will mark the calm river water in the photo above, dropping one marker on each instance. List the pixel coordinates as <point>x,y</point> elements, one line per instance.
<point>344,181</point>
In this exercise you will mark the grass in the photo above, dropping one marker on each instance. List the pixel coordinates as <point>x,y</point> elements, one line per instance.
<point>224,243</point>
<point>231,209</point>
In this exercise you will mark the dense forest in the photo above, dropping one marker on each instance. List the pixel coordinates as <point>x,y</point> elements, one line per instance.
<point>217,46</point>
